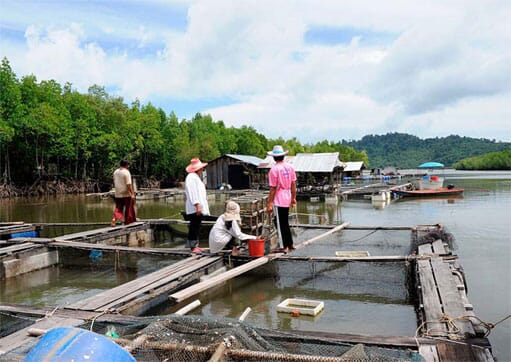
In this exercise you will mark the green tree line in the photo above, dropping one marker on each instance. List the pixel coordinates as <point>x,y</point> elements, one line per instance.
<point>46,127</point>
<point>407,151</point>
<point>489,161</point>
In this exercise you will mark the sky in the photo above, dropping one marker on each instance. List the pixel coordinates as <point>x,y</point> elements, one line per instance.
<point>314,70</point>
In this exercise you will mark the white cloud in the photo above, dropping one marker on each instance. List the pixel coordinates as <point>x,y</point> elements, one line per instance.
<point>449,64</point>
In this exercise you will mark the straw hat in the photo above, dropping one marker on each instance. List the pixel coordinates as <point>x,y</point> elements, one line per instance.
<point>277,151</point>
<point>195,165</point>
<point>232,211</point>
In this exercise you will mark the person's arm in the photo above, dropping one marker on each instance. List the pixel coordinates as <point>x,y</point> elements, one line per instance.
<point>193,193</point>
<point>293,193</point>
<point>235,231</point>
<point>131,191</point>
<point>269,207</point>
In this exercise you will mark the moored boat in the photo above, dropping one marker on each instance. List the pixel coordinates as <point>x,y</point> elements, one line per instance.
<point>442,191</point>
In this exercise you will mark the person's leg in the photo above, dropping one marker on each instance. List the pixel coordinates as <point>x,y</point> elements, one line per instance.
<point>129,211</point>
<point>193,231</point>
<point>285,230</point>
<point>118,214</point>
<point>233,245</point>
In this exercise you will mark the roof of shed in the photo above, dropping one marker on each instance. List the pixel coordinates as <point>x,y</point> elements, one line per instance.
<point>253,160</point>
<point>354,166</point>
<point>309,162</point>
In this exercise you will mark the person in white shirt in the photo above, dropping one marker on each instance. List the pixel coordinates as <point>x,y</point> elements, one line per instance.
<point>124,195</point>
<point>226,232</point>
<point>196,206</point>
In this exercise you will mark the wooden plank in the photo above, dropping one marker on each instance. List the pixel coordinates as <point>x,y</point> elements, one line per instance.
<point>429,352</point>
<point>382,258</point>
<point>17,339</point>
<point>202,286</point>
<point>153,287</point>
<point>108,230</point>
<point>438,247</point>
<point>140,285</point>
<point>430,300</point>
<point>449,352</point>
<point>449,296</point>
<point>425,249</point>
<point>8,250</point>
<point>128,249</point>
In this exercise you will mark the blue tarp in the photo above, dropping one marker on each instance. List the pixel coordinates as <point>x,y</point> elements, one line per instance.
<point>431,165</point>
<point>26,234</point>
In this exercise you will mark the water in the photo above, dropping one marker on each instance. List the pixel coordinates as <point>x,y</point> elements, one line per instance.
<point>480,222</point>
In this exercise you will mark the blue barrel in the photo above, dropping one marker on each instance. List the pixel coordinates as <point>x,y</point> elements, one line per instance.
<point>76,344</point>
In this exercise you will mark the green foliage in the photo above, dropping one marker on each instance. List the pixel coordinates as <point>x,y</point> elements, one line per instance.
<point>84,136</point>
<point>406,151</point>
<point>489,161</point>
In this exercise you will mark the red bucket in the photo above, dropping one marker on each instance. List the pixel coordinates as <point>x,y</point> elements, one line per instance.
<point>256,247</point>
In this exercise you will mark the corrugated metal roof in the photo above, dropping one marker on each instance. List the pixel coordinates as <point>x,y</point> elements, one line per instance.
<point>253,160</point>
<point>309,162</point>
<point>268,161</point>
<point>316,162</point>
<point>353,166</point>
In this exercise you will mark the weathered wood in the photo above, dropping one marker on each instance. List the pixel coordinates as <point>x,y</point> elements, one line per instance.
<point>450,298</point>
<point>438,247</point>
<point>455,352</point>
<point>8,250</point>
<point>429,352</point>
<point>123,229</point>
<point>202,286</point>
<point>425,249</point>
<point>316,238</point>
<point>127,249</point>
<point>430,300</point>
<point>127,291</point>
<point>18,338</point>
<point>383,258</point>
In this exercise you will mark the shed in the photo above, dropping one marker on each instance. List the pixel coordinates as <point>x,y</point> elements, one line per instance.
<point>316,172</point>
<point>354,169</point>
<point>239,171</point>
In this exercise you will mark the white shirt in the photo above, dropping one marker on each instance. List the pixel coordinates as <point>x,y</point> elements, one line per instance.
<point>195,194</point>
<point>122,178</point>
<point>219,235</point>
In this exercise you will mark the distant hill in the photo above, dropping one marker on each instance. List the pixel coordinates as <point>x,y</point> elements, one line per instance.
<point>407,151</point>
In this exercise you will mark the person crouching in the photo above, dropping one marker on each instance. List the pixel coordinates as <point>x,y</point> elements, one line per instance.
<point>226,233</point>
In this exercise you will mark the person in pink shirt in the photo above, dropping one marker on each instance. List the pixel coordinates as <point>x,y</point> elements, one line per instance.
<point>282,181</point>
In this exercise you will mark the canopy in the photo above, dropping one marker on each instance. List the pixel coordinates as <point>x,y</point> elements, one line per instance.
<point>431,165</point>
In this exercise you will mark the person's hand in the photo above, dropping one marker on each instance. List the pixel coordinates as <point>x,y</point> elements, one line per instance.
<point>198,207</point>
<point>293,202</point>
<point>269,208</point>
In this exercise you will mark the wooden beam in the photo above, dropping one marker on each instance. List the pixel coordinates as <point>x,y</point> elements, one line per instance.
<point>209,283</point>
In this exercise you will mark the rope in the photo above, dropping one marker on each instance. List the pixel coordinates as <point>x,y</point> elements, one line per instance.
<point>453,331</point>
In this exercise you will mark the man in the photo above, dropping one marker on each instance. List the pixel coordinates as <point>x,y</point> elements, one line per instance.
<point>124,195</point>
<point>196,206</point>
<point>282,181</point>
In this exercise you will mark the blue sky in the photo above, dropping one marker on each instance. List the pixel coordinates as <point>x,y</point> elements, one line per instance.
<point>311,70</point>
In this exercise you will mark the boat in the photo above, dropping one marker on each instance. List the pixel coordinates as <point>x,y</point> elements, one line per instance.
<point>441,191</point>
<point>430,183</point>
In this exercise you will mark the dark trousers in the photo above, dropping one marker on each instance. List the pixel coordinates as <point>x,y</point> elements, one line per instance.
<point>193,229</point>
<point>125,209</point>
<point>282,223</point>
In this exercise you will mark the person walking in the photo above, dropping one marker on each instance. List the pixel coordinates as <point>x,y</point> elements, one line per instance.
<point>282,181</point>
<point>124,195</point>
<point>196,206</point>
<point>226,233</point>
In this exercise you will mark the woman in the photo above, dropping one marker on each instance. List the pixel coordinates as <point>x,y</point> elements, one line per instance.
<point>226,232</point>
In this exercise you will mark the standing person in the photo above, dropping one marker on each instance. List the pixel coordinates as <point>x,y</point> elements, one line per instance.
<point>282,181</point>
<point>226,233</point>
<point>196,202</point>
<point>124,195</point>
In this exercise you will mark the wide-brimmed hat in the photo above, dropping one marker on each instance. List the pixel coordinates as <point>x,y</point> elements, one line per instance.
<point>277,151</point>
<point>232,211</point>
<point>195,165</point>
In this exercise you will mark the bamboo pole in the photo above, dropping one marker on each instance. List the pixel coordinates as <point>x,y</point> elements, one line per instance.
<point>316,238</point>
